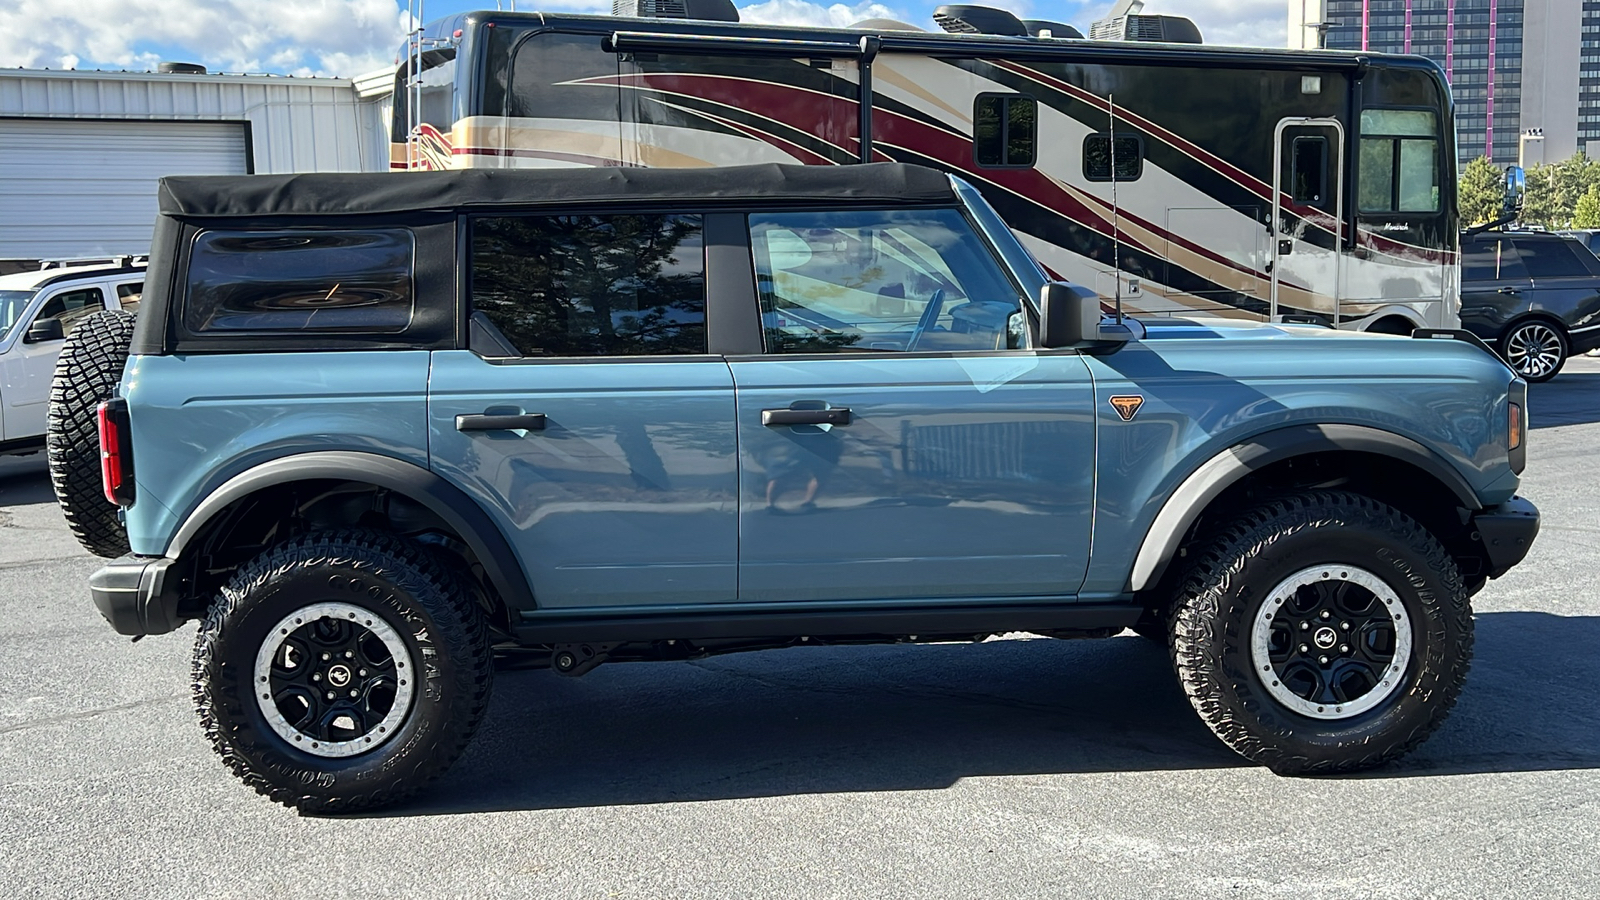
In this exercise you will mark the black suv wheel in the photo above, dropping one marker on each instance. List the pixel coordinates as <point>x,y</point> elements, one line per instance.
<point>341,671</point>
<point>1323,632</point>
<point>1536,349</point>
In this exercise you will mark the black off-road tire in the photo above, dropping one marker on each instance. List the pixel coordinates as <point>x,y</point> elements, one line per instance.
<point>406,588</point>
<point>1224,590</point>
<point>87,372</point>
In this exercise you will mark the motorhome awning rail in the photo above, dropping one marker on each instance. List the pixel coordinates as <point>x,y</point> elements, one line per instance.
<point>654,42</point>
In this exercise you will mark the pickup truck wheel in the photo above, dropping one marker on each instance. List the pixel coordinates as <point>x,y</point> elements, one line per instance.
<point>87,372</point>
<point>341,671</point>
<point>1323,632</point>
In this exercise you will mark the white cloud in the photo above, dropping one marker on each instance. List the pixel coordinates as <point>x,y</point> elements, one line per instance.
<point>303,36</point>
<point>801,13</point>
<point>348,37</point>
<point>1245,23</point>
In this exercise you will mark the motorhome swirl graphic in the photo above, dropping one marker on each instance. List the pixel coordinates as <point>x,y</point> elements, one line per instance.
<point>1169,177</point>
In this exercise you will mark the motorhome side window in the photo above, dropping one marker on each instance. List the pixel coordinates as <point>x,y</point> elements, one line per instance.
<point>1097,157</point>
<point>865,281</point>
<point>301,281</point>
<point>1399,161</point>
<point>1005,129</point>
<point>585,285</point>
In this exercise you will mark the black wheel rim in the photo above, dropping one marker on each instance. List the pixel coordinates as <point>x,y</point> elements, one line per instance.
<point>334,680</point>
<point>1331,642</point>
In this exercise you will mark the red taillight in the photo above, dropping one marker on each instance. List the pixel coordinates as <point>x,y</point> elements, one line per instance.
<point>1514,428</point>
<point>116,461</point>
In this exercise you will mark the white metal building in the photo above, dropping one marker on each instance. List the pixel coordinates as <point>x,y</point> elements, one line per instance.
<point>80,151</point>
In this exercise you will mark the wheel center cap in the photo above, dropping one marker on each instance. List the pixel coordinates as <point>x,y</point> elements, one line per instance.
<point>1324,637</point>
<point>339,676</point>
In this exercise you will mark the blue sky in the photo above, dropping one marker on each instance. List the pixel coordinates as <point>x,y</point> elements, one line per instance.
<point>349,37</point>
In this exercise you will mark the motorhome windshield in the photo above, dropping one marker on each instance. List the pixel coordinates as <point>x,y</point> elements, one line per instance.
<point>12,306</point>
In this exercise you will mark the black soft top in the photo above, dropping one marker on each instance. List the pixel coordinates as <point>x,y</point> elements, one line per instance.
<point>387,193</point>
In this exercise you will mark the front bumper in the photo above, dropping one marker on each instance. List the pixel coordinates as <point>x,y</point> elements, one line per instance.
<point>135,596</point>
<point>1506,532</point>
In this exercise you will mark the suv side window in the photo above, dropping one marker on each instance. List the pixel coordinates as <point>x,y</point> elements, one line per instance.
<point>1550,258</point>
<point>875,281</point>
<point>588,285</point>
<point>71,307</point>
<point>128,295</point>
<point>1491,259</point>
<point>300,281</point>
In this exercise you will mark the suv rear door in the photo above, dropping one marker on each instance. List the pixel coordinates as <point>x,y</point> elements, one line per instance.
<point>589,419</point>
<point>898,440</point>
<point>1566,279</point>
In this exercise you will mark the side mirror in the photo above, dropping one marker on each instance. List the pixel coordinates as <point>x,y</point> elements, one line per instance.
<point>1069,317</point>
<point>1516,188</point>
<point>44,330</point>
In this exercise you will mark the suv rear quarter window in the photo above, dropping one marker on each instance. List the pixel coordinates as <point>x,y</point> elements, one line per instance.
<point>1550,258</point>
<point>592,285</point>
<point>307,281</point>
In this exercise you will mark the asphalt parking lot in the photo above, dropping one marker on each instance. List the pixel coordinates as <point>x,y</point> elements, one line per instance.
<point>1013,768</point>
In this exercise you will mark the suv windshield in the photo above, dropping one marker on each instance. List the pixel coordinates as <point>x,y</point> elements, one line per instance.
<point>12,305</point>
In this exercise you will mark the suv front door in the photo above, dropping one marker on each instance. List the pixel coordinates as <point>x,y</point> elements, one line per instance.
<point>898,440</point>
<point>26,370</point>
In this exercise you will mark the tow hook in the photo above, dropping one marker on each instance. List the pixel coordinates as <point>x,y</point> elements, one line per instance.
<point>575,659</point>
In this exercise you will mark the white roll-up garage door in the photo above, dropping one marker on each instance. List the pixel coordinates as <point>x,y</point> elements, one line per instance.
<point>78,187</point>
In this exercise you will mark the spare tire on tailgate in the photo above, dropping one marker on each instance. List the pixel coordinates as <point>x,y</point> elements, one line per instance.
<point>87,372</point>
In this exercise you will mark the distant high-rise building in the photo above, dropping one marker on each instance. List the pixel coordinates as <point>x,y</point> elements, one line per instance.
<point>1542,102</point>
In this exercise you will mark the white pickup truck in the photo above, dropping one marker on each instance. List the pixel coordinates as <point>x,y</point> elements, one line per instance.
<point>38,310</point>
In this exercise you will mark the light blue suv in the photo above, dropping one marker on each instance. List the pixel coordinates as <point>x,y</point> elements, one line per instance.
<point>376,429</point>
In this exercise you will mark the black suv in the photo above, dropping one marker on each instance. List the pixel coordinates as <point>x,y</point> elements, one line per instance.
<point>1534,295</point>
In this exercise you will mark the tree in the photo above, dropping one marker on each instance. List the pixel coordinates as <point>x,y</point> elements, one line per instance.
<point>1480,191</point>
<point>1586,213</point>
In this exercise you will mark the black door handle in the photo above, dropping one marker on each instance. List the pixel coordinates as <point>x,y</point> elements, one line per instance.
<point>1509,290</point>
<point>527,422</point>
<point>839,415</point>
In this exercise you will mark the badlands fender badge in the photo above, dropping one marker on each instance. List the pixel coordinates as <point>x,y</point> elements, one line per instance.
<point>1126,406</point>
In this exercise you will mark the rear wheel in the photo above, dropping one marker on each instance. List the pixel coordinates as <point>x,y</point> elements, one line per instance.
<point>341,671</point>
<point>1323,632</point>
<point>87,372</point>
<point>1535,348</point>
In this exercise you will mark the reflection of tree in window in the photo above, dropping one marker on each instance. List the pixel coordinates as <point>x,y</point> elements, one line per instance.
<point>1097,157</point>
<point>622,285</point>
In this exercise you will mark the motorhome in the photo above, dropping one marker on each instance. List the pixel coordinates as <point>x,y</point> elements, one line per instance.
<point>1172,177</point>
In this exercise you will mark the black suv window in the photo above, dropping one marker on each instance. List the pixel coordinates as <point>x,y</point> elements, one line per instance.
<point>582,285</point>
<point>1550,258</point>
<point>1490,258</point>
<point>300,281</point>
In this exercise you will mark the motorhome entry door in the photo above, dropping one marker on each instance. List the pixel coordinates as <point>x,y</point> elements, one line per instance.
<point>1308,199</point>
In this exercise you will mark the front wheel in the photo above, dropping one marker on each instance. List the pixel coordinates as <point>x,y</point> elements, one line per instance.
<point>341,671</point>
<point>1323,632</point>
<point>1535,349</point>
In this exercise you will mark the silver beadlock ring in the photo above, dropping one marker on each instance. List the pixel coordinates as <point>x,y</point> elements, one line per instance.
<point>1389,679</point>
<point>404,672</point>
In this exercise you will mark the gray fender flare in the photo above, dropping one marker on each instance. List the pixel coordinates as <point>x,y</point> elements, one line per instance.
<point>1219,472</point>
<point>449,502</point>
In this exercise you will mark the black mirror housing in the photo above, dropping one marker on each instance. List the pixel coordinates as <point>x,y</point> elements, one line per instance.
<point>1070,318</point>
<point>44,330</point>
